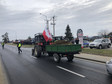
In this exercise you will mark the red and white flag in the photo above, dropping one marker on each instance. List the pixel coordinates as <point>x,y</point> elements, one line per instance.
<point>47,35</point>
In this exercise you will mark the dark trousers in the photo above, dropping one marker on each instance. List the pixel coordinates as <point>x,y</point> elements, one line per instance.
<point>2,46</point>
<point>77,41</point>
<point>19,49</point>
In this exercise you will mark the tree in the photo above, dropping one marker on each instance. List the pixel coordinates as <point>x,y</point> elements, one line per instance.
<point>5,37</point>
<point>29,38</point>
<point>68,34</point>
<point>110,34</point>
<point>103,33</point>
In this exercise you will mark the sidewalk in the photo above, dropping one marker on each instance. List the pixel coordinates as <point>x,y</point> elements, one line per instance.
<point>97,58</point>
<point>3,78</point>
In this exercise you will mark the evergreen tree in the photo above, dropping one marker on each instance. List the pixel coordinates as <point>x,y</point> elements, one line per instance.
<point>68,34</point>
<point>110,34</point>
<point>29,38</point>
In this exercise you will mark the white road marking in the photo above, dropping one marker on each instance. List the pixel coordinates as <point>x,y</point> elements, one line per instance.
<point>88,68</point>
<point>71,72</point>
<point>33,57</point>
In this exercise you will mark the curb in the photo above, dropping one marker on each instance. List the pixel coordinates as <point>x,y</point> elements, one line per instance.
<point>90,59</point>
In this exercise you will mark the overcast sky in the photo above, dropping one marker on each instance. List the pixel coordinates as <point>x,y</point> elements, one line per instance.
<point>21,18</point>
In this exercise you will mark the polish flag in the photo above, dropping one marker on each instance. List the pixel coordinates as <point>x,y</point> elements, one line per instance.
<point>47,35</point>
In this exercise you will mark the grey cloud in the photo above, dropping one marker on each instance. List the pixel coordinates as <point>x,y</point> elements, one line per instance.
<point>87,16</point>
<point>16,17</point>
<point>91,13</point>
<point>22,22</point>
<point>88,13</point>
<point>8,17</point>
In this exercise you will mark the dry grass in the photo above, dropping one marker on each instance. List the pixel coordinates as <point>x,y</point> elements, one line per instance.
<point>102,52</point>
<point>24,46</point>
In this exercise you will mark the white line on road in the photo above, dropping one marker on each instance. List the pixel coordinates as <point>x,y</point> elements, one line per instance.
<point>92,69</point>
<point>71,72</point>
<point>33,57</point>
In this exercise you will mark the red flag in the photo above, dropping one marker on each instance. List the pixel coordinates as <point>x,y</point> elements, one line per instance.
<point>47,35</point>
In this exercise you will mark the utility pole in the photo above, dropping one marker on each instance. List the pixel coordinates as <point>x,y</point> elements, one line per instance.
<point>47,22</point>
<point>53,25</point>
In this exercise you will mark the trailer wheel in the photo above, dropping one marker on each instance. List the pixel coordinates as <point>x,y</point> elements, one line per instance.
<point>70,57</point>
<point>57,57</point>
<point>37,52</point>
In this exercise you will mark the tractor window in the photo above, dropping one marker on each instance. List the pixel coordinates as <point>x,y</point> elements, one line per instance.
<point>39,38</point>
<point>42,39</point>
<point>36,39</point>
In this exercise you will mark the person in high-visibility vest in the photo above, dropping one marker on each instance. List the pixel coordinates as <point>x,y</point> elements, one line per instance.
<point>19,47</point>
<point>3,45</point>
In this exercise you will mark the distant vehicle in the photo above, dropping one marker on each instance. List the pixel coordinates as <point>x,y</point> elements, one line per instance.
<point>85,43</point>
<point>55,50</point>
<point>109,67</point>
<point>100,43</point>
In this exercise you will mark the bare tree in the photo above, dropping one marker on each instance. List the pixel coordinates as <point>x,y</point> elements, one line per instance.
<point>5,37</point>
<point>103,33</point>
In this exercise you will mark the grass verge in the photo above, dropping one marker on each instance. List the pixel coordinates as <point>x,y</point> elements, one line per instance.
<point>27,46</point>
<point>101,52</point>
<point>24,46</point>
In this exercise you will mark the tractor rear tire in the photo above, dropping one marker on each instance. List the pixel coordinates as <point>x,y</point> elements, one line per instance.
<point>37,51</point>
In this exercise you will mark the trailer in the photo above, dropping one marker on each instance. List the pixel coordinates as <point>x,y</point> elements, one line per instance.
<point>57,51</point>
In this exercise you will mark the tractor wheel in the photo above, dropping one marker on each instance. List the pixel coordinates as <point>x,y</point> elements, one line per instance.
<point>70,57</point>
<point>37,51</point>
<point>57,57</point>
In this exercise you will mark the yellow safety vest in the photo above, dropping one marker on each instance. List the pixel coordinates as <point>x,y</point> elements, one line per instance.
<point>19,45</point>
<point>2,43</point>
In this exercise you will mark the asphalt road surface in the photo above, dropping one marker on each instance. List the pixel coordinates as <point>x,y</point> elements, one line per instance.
<point>26,69</point>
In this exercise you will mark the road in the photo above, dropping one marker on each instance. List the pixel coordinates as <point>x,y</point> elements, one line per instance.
<point>25,69</point>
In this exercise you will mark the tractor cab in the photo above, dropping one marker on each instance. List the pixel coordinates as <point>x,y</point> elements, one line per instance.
<point>39,38</point>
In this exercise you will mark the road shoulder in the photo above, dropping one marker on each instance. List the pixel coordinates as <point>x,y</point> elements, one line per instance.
<point>97,58</point>
<point>3,76</point>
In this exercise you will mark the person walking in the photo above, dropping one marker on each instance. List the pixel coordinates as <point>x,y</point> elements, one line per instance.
<point>19,47</point>
<point>3,45</point>
<point>77,40</point>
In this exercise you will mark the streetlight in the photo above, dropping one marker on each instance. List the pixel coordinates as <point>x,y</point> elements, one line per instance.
<point>47,21</point>
<point>43,15</point>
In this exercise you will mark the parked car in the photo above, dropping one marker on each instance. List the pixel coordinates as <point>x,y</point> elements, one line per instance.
<point>100,43</point>
<point>109,67</point>
<point>85,43</point>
